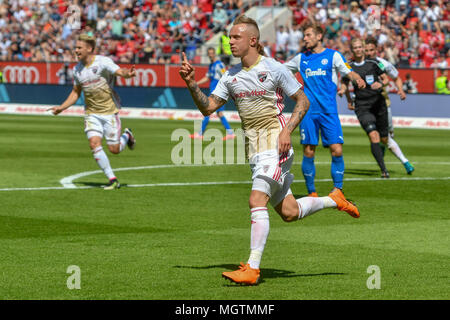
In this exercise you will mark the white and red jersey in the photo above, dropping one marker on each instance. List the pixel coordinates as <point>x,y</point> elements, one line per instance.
<point>97,81</point>
<point>258,94</point>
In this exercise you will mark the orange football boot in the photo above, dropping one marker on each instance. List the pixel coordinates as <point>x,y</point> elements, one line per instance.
<point>244,275</point>
<point>313,194</point>
<point>343,204</point>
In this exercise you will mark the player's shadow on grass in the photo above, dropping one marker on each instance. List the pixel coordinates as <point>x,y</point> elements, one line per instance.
<point>95,184</point>
<point>267,273</point>
<point>363,172</point>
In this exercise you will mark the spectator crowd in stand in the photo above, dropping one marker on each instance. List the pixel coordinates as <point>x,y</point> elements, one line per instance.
<point>128,31</point>
<point>412,33</point>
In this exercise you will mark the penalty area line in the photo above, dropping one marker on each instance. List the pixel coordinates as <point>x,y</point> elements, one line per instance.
<point>206,183</point>
<point>67,182</point>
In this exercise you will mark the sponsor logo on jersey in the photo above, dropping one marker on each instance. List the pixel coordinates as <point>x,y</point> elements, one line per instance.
<point>370,79</point>
<point>253,93</point>
<point>318,72</point>
<point>262,76</point>
<point>305,62</point>
<point>324,61</point>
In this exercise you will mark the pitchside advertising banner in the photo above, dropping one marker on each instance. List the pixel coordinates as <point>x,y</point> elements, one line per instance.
<point>159,93</point>
<point>157,75</point>
<point>58,73</point>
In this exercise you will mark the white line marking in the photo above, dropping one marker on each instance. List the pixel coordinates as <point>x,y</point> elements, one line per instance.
<point>67,182</point>
<point>205,183</point>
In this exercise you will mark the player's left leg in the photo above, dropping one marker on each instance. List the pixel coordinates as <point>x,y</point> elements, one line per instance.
<point>380,133</point>
<point>291,209</point>
<point>394,147</point>
<point>114,139</point>
<point>333,137</point>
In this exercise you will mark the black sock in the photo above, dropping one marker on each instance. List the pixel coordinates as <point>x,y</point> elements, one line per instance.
<point>378,155</point>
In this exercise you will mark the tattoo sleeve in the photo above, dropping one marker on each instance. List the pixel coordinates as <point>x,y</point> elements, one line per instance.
<point>301,107</point>
<point>200,99</point>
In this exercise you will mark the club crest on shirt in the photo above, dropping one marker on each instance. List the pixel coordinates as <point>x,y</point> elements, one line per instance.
<point>262,76</point>
<point>324,61</point>
<point>370,79</point>
<point>266,168</point>
<point>94,69</point>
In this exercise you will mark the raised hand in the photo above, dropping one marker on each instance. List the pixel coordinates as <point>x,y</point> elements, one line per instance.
<point>187,71</point>
<point>132,72</point>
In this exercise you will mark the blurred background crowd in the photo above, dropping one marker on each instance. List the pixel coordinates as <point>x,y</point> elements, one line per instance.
<point>412,33</point>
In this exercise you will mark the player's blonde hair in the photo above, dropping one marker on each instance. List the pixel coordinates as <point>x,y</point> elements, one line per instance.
<point>90,40</point>
<point>354,40</point>
<point>243,19</point>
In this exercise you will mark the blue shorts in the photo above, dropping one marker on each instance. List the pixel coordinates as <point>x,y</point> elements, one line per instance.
<point>328,124</point>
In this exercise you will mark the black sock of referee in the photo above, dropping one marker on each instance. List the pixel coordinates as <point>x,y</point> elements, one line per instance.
<point>378,155</point>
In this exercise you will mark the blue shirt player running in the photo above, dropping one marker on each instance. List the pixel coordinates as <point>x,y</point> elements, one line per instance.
<point>215,71</point>
<point>318,67</point>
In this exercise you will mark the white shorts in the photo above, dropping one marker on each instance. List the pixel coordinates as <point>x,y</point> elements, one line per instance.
<point>270,174</point>
<point>108,126</point>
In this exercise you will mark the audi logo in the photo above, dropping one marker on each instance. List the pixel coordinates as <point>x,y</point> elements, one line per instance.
<point>21,74</point>
<point>144,77</point>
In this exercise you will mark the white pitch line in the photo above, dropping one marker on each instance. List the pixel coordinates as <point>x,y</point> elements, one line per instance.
<point>206,183</point>
<point>67,182</point>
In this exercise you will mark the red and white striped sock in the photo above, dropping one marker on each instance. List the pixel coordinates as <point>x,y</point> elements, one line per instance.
<point>103,162</point>
<point>259,234</point>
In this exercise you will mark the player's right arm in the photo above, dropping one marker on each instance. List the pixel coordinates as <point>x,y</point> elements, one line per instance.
<point>71,100</point>
<point>206,105</point>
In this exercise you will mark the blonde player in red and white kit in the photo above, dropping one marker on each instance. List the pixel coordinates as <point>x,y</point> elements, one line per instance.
<point>256,85</point>
<point>95,76</point>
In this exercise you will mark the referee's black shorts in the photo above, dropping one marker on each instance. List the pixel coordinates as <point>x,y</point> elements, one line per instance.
<point>373,115</point>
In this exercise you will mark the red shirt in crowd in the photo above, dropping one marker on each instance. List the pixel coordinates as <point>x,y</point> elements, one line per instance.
<point>206,6</point>
<point>429,56</point>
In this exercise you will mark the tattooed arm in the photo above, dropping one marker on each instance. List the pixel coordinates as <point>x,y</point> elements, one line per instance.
<point>206,105</point>
<point>301,107</point>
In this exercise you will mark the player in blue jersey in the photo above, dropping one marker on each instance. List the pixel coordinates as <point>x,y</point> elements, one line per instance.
<point>215,71</point>
<point>319,67</point>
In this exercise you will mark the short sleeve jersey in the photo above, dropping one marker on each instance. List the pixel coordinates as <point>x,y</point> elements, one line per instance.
<point>215,72</point>
<point>370,72</point>
<point>320,77</point>
<point>391,71</point>
<point>97,81</point>
<point>258,95</point>
<point>387,67</point>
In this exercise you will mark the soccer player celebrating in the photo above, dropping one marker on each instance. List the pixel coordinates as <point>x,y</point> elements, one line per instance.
<point>392,72</point>
<point>256,85</point>
<point>215,71</point>
<point>94,75</point>
<point>319,67</point>
<point>370,105</point>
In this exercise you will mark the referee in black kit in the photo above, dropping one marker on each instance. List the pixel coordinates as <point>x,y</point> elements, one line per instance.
<point>370,105</point>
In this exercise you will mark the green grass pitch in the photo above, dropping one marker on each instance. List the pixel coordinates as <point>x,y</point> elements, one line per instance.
<point>173,242</point>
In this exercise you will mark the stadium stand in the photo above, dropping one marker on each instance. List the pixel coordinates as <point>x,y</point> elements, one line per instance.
<point>413,33</point>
